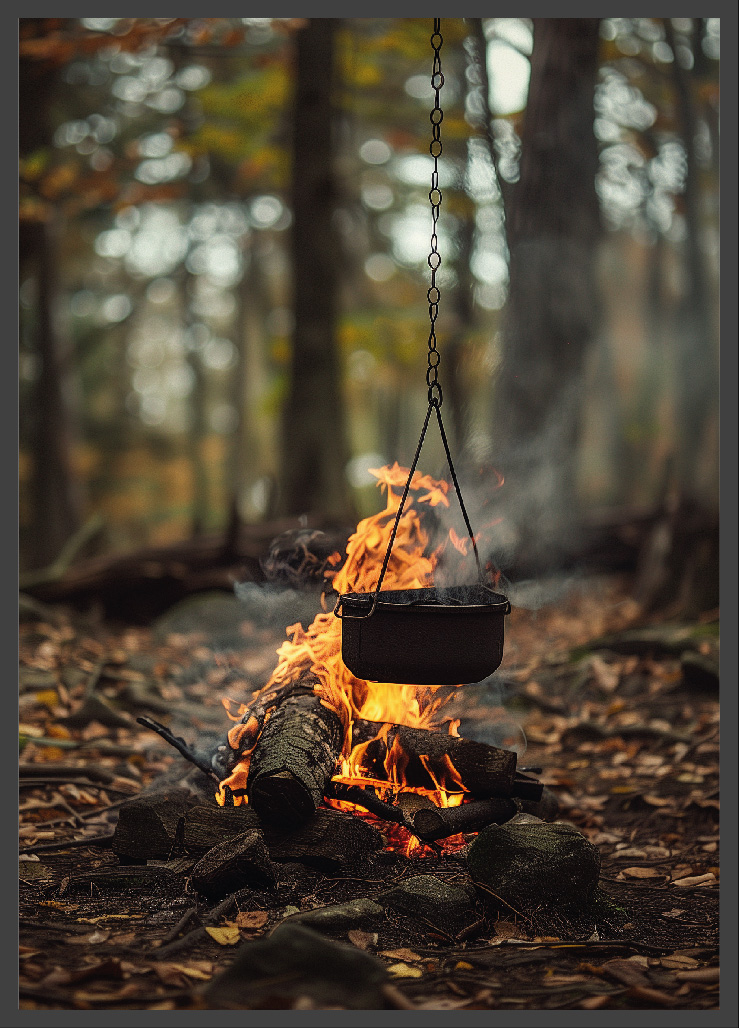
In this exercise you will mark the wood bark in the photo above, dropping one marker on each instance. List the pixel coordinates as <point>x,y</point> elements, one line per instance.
<point>294,760</point>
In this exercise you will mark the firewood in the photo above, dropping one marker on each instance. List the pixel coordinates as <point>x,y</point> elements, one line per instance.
<point>232,864</point>
<point>293,760</point>
<point>148,828</point>
<point>485,770</point>
<point>207,826</point>
<point>328,841</point>
<point>439,822</point>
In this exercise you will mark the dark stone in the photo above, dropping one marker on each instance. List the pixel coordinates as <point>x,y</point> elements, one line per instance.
<point>532,865</point>
<point>433,899</point>
<point>339,917</point>
<point>271,973</point>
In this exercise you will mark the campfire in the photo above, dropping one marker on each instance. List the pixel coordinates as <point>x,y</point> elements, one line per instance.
<point>316,735</point>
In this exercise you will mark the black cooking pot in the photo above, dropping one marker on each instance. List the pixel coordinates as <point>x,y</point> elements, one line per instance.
<point>446,636</point>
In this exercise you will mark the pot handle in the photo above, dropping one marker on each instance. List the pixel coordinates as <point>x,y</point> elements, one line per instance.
<point>435,401</point>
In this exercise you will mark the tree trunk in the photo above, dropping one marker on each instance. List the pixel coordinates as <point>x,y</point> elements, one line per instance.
<point>56,501</point>
<point>314,447</point>
<point>553,226</point>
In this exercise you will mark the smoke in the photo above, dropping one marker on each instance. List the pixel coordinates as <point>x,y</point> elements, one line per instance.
<point>269,605</point>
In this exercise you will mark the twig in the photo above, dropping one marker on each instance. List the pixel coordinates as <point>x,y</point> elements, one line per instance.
<point>180,745</point>
<point>48,847</point>
<point>172,934</point>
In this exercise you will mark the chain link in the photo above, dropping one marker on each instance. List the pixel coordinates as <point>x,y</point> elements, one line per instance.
<point>434,259</point>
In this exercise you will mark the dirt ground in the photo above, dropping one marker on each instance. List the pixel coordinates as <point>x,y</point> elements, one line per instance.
<point>620,712</point>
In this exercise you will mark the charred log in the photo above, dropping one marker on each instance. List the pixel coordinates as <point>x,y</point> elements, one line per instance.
<point>485,770</point>
<point>330,840</point>
<point>440,822</point>
<point>206,827</point>
<point>294,760</point>
<point>150,829</point>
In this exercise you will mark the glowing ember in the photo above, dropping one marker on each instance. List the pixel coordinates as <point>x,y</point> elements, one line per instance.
<point>317,649</point>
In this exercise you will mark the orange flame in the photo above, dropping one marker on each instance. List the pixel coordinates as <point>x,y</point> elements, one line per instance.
<point>317,649</point>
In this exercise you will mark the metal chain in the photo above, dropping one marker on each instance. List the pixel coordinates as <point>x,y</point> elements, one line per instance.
<point>435,394</point>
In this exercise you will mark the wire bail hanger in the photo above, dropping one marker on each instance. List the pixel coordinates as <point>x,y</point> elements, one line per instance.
<point>435,393</point>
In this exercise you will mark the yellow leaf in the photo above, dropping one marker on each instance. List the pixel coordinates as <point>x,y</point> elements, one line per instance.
<point>228,935</point>
<point>48,698</point>
<point>462,965</point>
<point>402,970</point>
<point>192,971</point>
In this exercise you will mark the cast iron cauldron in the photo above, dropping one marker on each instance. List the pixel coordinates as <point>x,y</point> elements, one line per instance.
<point>446,636</point>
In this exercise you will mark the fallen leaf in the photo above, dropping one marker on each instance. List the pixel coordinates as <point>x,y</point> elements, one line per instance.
<point>463,965</point>
<point>129,990</point>
<point>681,963</point>
<point>89,940</point>
<point>400,954</point>
<point>703,975</point>
<point>645,992</point>
<point>401,970</point>
<point>657,801</point>
<point>227,935</point>
<point>362,939</point>
<point>594,1002</point>
<point>642,872</point>
<point>252,919</point>
<point>606,676</point>
<point>707,879</point>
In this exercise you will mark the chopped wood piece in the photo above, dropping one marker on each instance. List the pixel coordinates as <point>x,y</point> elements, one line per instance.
<point>329,840</point>
<point>234,864</point>
<point>205,827</point>
<point>485,770</point>
<point>294,760</point>
<point>147,828</point>
<point>439,822</point>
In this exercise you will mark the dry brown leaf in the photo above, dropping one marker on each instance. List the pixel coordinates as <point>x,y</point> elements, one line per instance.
<point>679,962</point>
<point>251,920</point>
<point>657,801</point>
<point>594,1002</point>
<point>169,974</point>
<point>606,676</point>
<point>362,939</point>
<point>642,872</point>
<point>702,975</point>
<point>707,879</point>
<point>400,954</point>
<point>651,995</point>
<point>564,979</point>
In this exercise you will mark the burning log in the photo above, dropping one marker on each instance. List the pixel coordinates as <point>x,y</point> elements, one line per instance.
<point>484,770</point>
<point>439,822</point>
<point>293,760</point>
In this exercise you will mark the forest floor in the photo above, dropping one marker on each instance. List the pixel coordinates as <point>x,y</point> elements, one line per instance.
<point>620,712</point>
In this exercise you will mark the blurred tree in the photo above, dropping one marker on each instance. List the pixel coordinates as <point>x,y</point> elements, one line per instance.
<point>47,420</point>
<point>314,445</point>
<point>553,225</point>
